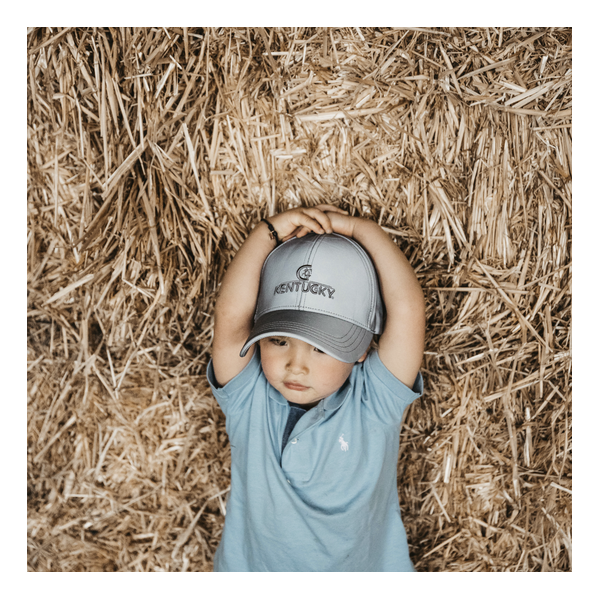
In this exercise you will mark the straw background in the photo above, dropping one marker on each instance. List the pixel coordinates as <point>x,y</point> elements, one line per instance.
<point>152,152</point>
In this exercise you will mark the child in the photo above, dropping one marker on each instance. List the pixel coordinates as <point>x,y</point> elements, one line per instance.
<point>313,418</point>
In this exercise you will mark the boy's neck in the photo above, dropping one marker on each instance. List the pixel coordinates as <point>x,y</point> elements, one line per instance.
<point>307,406</point>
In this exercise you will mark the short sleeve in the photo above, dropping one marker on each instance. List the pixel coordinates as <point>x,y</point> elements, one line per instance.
<point>239,389</point>
<point>384,396</point>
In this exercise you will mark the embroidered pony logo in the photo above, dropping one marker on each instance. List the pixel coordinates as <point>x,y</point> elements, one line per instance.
<point>343,444</point>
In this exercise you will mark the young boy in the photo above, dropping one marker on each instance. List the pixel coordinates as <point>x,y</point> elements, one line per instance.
<point>312,417</point>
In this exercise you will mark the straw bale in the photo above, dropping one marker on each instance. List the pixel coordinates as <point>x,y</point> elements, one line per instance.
<point>152,152</point>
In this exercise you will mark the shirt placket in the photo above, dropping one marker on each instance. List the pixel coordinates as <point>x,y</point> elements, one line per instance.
<point>292,454</point>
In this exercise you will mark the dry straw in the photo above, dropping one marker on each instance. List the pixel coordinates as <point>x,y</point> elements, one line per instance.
<point>153,152</point>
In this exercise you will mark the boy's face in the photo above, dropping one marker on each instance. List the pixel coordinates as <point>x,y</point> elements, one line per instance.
<point>300,372</point>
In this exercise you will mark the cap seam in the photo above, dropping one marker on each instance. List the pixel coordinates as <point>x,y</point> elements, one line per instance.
<point>309,260</point>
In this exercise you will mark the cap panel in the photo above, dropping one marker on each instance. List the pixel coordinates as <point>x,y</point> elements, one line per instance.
<point>328,274</point>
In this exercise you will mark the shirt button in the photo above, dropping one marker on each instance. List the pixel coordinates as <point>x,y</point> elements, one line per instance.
<point>288,481</point>
<point>295,440</point>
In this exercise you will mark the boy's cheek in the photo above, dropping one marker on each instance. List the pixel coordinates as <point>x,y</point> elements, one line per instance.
<point>334,375</point>
<point>269,368</point>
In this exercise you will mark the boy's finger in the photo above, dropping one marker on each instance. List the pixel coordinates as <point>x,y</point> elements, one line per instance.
<point>302,232</point>
<point>321,218</point>
<point>311,220</point>
<point>293,234</point>
<point>331,208</point>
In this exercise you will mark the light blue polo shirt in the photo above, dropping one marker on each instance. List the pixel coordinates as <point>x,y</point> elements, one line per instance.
<point>329,502</point>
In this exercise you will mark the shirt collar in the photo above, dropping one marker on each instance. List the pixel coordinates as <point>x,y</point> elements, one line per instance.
<point>334,401</point>
<point>275,395</point>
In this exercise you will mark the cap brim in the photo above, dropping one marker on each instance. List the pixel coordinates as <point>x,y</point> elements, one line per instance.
<point>342,340</point>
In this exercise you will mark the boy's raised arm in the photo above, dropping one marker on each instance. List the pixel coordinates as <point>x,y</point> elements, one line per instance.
<point>236,302</point>
<point>402,342</point>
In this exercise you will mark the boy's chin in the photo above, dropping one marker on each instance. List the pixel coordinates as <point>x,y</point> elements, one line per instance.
<point>299,397</point>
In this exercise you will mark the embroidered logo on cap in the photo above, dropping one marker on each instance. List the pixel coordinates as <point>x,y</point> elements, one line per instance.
<point>304,284</point>
<point>304,272</point>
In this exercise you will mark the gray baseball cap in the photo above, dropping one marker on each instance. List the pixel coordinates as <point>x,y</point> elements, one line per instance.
<point>321,289</point>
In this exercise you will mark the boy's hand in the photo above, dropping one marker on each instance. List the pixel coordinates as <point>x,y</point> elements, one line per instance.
<point>343,224</point>
<point>297,222</point>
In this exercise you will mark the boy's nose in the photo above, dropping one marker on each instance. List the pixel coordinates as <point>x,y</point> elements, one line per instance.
<point>296,363</point>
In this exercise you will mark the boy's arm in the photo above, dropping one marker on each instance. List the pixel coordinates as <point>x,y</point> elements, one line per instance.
<point>402,342</point>
<point>236,302</point>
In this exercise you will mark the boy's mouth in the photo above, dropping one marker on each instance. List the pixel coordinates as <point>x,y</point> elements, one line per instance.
<point>294,386</point>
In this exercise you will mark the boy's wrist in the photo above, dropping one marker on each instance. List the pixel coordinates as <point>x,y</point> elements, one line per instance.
<point>362,226</point>
<point>344,224</point>
<point>272,232</point>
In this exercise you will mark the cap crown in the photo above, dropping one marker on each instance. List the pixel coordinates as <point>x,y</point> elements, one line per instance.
<point>328,274</point>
